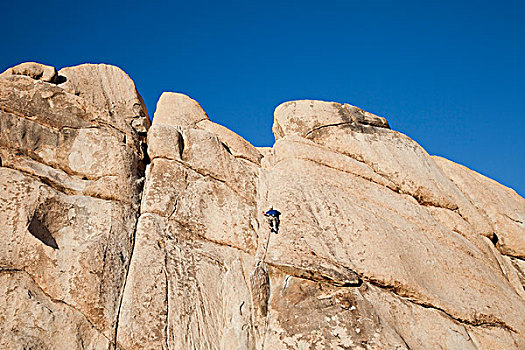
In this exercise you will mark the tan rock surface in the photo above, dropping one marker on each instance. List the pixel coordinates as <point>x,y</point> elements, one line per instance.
<point>177,109</point>
<point>238,146</point>
<point>388,240</point>
<point>108,88</point>
<point>305,116</point>
<point>33,70</point>
<point>389,153</point>
<point>359,262</point>
<point>504,208</point>
<point>380,246</point>
<point>197,221</point>
<point>70,186</point>
<point>32,320</point>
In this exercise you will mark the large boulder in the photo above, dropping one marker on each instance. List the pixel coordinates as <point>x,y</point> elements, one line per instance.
<point>70,184</point>
<point>111,90</point>
<point>196,237</point>
<point>177,109</point>
<point>33,70</point>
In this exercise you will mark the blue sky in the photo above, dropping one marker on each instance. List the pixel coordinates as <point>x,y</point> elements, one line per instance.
<point>449,74</point>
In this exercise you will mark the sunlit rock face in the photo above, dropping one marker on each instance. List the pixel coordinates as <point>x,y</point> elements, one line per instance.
<point>71,180</point>
<point>118,235</point>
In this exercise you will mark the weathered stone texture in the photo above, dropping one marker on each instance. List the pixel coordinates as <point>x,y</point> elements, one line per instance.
<point>70,187</point>
<point>110,90</point>
<point>33,70</point>
<point>380,246</point>
<point>197,237</point>
<point>504,208</point>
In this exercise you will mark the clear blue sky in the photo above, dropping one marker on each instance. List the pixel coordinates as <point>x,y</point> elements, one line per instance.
<point>449,74</point>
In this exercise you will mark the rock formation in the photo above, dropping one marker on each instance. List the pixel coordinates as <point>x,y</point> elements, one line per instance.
<point>109,245</point>
<point>70,186</point>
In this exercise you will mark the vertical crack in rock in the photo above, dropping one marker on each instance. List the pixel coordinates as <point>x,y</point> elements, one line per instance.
<point>260,290</point>
<point>260,278</point>
<point>166,276</point>
<point>114,345</point>
<point>260,283</point>
<point>142,181</point>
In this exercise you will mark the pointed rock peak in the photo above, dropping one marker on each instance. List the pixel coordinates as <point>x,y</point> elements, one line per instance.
<point>33,70</point>
<point>177,109</point>
<point>361,116</point>
<point>304,116</point>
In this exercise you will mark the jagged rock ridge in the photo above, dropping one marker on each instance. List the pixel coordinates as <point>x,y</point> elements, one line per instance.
<point>107,246</point>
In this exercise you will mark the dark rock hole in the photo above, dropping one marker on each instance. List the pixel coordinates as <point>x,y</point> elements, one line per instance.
<point>60,79</point>
<point>181,146</point>
<point>226,147</point>
<point>40,231</point>
<point>494,239</point>
<point>144,148</point>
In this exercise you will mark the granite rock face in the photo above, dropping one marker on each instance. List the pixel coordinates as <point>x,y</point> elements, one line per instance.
<point>70,188</point>
<point>108,245</point>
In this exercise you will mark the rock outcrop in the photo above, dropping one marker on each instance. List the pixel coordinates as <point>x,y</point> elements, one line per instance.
<point>108,245</point>
<point>70,188</point>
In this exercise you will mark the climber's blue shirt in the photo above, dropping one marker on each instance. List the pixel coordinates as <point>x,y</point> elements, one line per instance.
<point>273,212</point>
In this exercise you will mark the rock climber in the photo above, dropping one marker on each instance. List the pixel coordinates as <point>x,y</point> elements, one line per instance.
<point>273,219</point>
